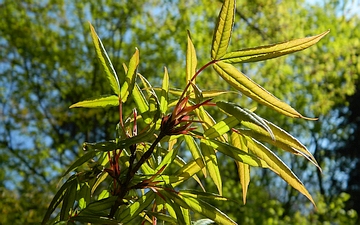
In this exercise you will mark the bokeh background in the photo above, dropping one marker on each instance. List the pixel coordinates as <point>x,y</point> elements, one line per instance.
<point>47,63</point>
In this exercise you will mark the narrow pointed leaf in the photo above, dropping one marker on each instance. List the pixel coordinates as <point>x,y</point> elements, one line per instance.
<point>80,161</point>
<point>282,140</point>
<point>244,115</point>
<point>133,210</point>
<point>204,208</point>
<point>211,164</point>
<point>102,102</point>
<point>221,127</point>
<point>140,100</point>
<point>254,91</point>
<point>243,169</point>
<point>195,152</point>
<point>105,61</point>
<point>191,60</point>
<point>277,166</point>
<point>271,51</point>
<point>236,153</point>
<point>164,98</point>
<point>129,82</point>
<point>223,29</point>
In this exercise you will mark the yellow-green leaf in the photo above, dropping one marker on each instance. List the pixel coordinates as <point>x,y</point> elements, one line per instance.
<point>111,100</point>
<point>211,163</point>
<point>164,93</point>
<point>191,60</point>
<point>140,100</point>
<point>251,89</point>
<point>223,30</point>
<point>243,169</point>
<point>282,140</point>
<point>195,152</point>
<point>244,115</point>
<point>106,62</point>
<point>277,166</point>
<point>129,82</point>
<point>204,208</point>
<point>221,127</point>
<point>271,51</point>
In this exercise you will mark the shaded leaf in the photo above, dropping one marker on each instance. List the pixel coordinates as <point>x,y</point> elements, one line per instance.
<point>95,219</point>
<point>106,62</point>
<point>251,89</point>
<point>271,51</point>
<point>223,29</point>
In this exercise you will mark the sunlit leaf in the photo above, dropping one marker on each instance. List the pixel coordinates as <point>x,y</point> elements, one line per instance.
<point>140,100</point>
<point>277,166</point>
<point>244,115</point>
<point>251,89</point>
<point>243,169</point>
<point>164,98</point>
<point>236,153</point>
<point>102,102</point>
<point>282,140</point>
<point>271,51</point>
<point>133,210</point>
<point>221,127</point>
<point>106,62</point>
<point>162,217</point>
<point>195,152</point>
<point>211,163</point>
<point>129,82</point>
<point>223,29</point>
<point>191,60</point>
<point>206,209</point>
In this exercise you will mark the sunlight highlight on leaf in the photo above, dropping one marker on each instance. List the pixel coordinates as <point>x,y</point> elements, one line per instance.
<point>223,29</point>
<point>271,51</point>
<point>102,102</point>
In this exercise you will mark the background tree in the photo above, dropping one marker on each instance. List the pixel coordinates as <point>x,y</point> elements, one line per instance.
<point>47,63</point>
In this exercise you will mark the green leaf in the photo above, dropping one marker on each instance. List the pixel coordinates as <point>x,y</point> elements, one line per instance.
<point>80,161</point>
<point>221,127</point>
<point>271,51</point>
<point>169,158</point>
<point>191,60</point>
<point>100,207</point>
<point>243,169</point>
<point>68,202</point>
<point>195,152</point>
<point>244,115</point>
<point>204,208</point>
<point>140,100</point>
<point>106,62</point>
<point>59,196</point>
<point>277,166</point>
<point>164,98</point>
<point>133,210</point>
<point>111,100</point>
<point>91,219</point>
<point>211,163</point>
<point>162,217</point>
<point>129,82</point>
<point>282,140</point>
<point>236,153</point>
<point>254,91</point>
<point>223,30</point>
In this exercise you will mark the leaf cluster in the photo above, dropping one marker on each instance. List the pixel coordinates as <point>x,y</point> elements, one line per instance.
<point>136,176</point>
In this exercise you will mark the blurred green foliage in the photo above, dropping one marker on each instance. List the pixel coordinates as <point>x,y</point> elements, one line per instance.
<point>47,63</point>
